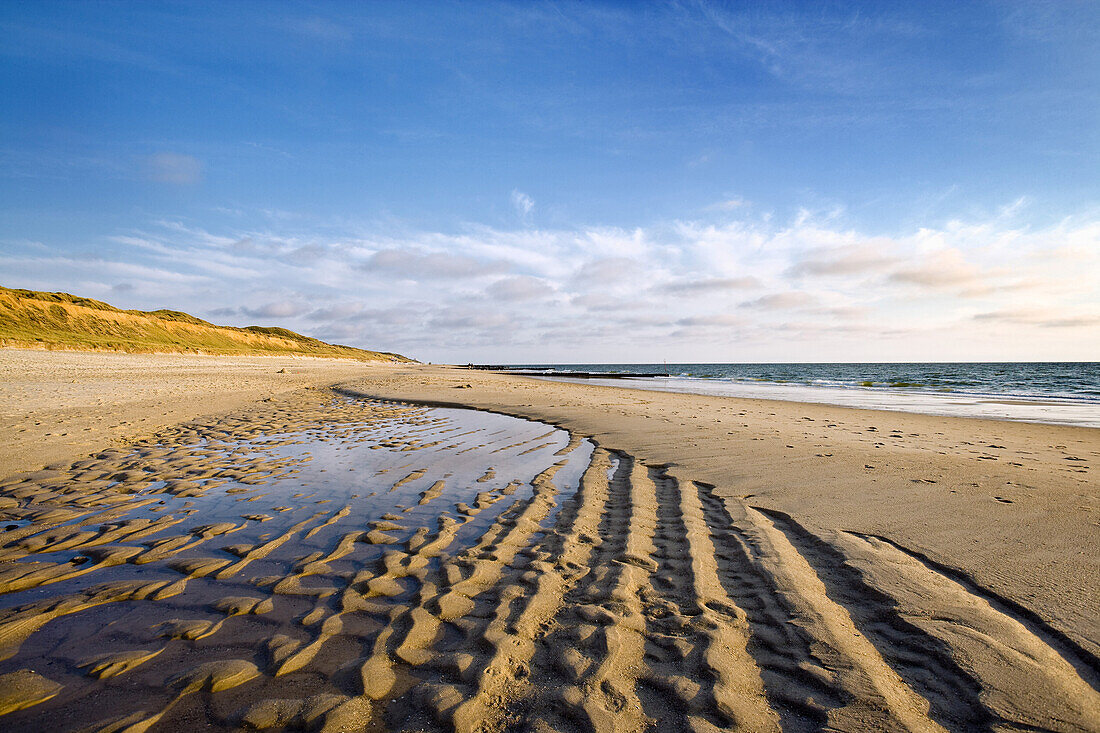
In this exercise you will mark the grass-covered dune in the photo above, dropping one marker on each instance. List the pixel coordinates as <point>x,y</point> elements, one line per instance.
<point>30,318</point>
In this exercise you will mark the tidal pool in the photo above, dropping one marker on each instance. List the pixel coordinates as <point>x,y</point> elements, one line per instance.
<point>260,556</point>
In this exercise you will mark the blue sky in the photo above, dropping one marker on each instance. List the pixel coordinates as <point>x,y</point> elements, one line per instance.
<point>568,182</point>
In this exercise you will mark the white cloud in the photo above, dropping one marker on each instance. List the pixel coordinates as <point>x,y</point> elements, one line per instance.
<point>417,265</point>
<point>846,259</point>
<point>1044,318</point>
<point>610,272</point>
<point>522,203</point>
<point>277,309</point>
<point>67,267</point>
<point>728,204</point>
<point>946,268</point>
<point>174,168</point>
<point>719,320</point>
<point>521,287</point>
<point>744,289</point>
<point>782,301</point>
<point>689,287</point>
<point>605,302</point>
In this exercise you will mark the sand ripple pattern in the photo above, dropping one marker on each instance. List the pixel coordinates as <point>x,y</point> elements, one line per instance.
<point>334,565</point>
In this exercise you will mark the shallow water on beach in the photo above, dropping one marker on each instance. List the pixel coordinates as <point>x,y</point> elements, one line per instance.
<point>1038,409</point>
<point>226,540</point>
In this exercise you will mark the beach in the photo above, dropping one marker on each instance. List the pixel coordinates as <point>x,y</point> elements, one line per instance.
<point>279,543</point>
<point>59,405</point>
<point>969,492</point>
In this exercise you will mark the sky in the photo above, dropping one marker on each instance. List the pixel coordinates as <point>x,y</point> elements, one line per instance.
<point>568,182</point>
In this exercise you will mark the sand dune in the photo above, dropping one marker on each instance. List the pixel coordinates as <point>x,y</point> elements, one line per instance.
<point>34,319</point>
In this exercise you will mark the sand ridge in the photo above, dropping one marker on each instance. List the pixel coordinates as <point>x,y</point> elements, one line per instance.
<point>1013,506</point>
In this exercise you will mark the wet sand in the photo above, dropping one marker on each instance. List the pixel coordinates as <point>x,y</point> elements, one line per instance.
<point>285,555</point>
<point>350,560</point>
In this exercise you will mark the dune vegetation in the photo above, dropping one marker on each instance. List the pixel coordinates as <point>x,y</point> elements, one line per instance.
<point>34,319</point>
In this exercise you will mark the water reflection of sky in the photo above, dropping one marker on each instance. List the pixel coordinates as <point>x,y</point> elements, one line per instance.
<point>328,468</point>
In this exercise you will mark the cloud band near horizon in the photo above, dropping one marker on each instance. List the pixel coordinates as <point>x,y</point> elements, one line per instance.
<point>746,288</point>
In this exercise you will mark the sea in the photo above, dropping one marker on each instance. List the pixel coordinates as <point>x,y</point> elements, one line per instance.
<point>1065,393</point>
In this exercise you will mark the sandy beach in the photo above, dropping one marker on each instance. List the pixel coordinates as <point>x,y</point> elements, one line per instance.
<point>285,544</point>
<point>970,493</point>
<point>60,405</point>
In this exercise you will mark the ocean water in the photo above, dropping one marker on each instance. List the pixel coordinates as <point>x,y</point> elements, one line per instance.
<point>1048,392</point>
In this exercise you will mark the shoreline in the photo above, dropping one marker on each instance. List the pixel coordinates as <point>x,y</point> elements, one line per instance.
<point>1032,409</point>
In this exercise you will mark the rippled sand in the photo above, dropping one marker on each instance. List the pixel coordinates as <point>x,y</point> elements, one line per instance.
<point>299,529</point>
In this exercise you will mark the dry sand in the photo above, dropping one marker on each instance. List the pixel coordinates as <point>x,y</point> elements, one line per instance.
<point>58,405</point>
<point>722,564</point>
